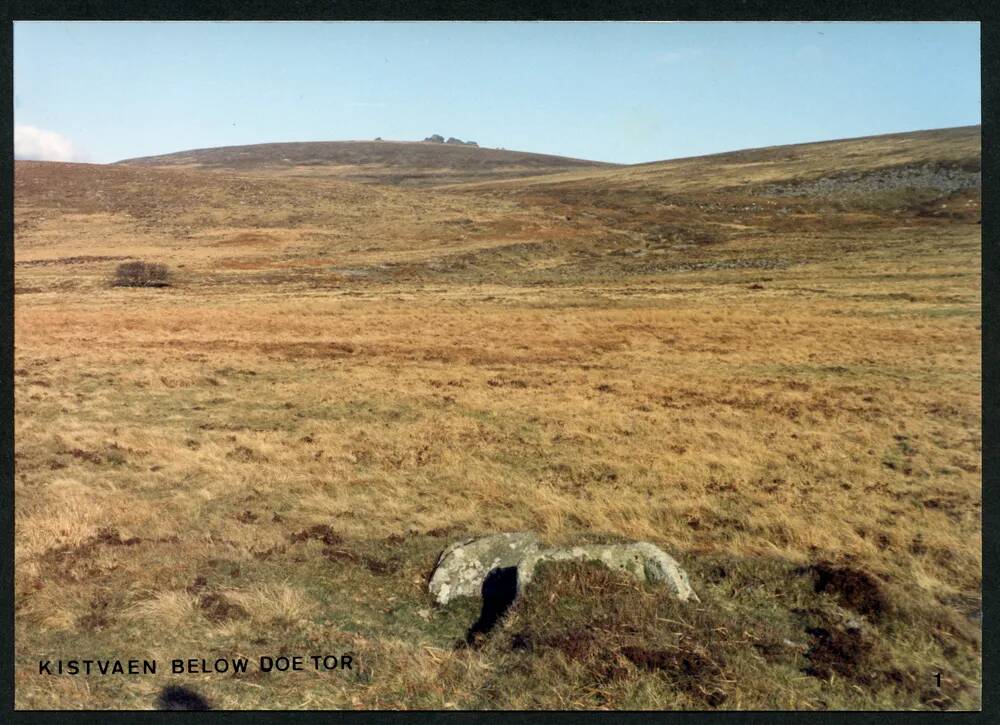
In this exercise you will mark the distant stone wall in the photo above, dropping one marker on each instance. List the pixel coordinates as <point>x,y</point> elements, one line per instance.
<point>941,178</point>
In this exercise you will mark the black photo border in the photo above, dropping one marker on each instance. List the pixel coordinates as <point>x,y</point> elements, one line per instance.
<point>984,12</point>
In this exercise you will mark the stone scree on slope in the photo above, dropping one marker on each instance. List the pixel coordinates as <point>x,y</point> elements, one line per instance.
<point>465,565</point>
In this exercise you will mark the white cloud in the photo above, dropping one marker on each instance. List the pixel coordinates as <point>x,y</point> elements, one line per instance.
<point>37,144</point>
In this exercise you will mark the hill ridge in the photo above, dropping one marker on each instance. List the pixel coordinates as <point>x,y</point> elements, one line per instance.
<point>390,162</point>
<point>381,142</point>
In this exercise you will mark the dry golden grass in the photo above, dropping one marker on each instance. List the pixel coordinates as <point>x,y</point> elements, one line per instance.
<point>823,407</point>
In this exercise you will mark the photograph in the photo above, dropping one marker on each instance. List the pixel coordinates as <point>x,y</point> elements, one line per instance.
<point>516,365</point>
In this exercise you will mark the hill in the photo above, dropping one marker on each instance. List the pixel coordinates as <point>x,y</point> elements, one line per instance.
<point>387,162</point>
<point>728,209</point>
<point>744,207</point>
<point>783,170</point>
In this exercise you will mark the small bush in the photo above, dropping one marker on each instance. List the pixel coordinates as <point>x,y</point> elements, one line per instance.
<point>141,274</point>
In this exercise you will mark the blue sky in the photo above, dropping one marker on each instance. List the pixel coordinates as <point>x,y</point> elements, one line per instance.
<point>624,92</point>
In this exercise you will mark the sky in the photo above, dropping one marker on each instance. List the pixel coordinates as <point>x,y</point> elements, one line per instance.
<point>622,92</point>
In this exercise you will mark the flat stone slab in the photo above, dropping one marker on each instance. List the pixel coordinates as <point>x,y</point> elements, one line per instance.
<point>644,561</point>
<point>463,566</point>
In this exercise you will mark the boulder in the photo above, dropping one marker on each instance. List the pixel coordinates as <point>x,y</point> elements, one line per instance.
<point>642,560</point>
<point>464,565</point>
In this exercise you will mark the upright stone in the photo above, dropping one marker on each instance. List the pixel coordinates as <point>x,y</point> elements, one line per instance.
<point>463,566</point>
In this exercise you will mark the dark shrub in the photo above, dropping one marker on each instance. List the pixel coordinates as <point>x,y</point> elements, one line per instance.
<point>141,274</point>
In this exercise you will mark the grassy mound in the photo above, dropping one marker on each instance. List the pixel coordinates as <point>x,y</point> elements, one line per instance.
<point>768,634</point>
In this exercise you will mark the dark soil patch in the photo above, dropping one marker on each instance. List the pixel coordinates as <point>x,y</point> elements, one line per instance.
<point>844,652</point>
<point>70,562</point>
<point>373,564</point>
<point>574,645</point>
<point>111,537</point>
<point>98,617</point>
<point>83,455</point>
<point>217,608</point>
<point>340,555</point>
<point>265,554</point>
<point>854,589</point>
<point>578,645</point>
<point>772,651</point>
<point>320,532</point>
<point>515,383</point>
<point>717,573</point>
<point>247,517</point>
<point>246,455</point>
<point>380,566</point>
<point>689,665</point>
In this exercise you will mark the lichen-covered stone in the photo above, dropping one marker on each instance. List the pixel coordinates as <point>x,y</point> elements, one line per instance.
<point>463,566</point>
<point>642,560</point>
